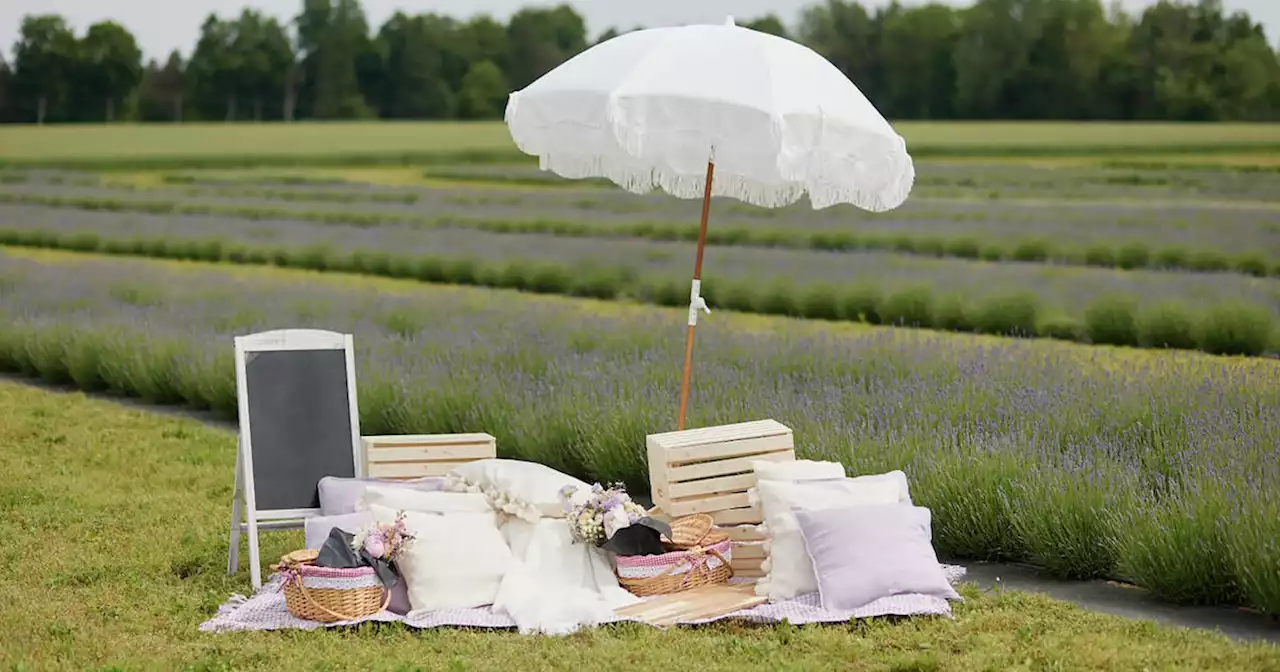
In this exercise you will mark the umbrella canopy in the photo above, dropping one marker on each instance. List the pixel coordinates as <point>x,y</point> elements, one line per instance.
<point>649,108</point>
<point>708,111</point>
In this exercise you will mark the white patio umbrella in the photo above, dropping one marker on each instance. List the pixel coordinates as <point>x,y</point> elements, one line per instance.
<point>712,110</point>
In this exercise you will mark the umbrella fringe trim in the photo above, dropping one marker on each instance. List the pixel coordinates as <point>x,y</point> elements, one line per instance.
<point>822,193</point>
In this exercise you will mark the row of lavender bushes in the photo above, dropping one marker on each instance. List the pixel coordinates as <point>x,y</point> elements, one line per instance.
<point>1128,256</point>
<point>1234,328</point>
<point>1150,467</point>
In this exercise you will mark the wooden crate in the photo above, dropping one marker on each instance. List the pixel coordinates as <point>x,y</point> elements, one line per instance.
<point>708,470</point>
<point>747,558</point>
<point>408,456</point>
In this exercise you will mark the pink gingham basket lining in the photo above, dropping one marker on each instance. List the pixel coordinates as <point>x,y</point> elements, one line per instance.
<point>671,559</point>
<point>335,572</point>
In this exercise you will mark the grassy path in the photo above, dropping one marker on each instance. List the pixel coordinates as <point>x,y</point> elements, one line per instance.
<point>132,511</point>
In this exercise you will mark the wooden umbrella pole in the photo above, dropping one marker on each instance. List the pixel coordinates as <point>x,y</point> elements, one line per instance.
<point>695,298</point>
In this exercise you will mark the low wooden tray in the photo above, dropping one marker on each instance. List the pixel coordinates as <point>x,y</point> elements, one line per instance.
<point>695,604</point>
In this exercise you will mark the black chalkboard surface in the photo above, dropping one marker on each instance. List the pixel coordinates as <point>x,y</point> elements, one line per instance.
<point>299,424</point>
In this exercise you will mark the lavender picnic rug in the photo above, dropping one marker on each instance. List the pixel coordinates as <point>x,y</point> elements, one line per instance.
<point>266,611</point>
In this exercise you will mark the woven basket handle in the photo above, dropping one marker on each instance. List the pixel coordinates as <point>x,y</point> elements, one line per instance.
<point>343,617</point>
<point>703,567</point>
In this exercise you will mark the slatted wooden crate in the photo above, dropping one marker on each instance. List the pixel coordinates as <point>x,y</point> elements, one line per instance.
<point>417,455</point>
<point>708,470</point>
<point>746,559</point>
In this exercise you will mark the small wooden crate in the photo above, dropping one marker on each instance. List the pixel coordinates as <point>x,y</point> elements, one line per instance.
<point>708,470</point>
<point>748,567</point>
<point>408,456</point>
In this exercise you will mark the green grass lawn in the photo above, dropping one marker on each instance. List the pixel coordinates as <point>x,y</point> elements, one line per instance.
<point>213,145</point>
<point>115,521</point>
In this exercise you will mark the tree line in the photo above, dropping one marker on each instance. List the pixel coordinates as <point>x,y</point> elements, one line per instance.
<point>995,59</point>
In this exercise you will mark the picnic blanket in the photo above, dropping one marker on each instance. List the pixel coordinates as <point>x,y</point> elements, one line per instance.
<point>266,610</point>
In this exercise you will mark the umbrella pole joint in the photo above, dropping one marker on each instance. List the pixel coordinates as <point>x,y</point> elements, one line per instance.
<point>696,302</point>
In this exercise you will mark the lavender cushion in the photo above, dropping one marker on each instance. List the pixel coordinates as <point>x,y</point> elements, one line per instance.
<point>317,529</point>
<point>340,496</point>
<point>863,553</point>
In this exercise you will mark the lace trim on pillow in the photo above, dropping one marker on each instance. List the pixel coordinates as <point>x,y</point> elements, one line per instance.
<point>499,500</point>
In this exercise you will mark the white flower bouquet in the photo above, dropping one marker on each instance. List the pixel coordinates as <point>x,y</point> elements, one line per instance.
<point>597,519</point>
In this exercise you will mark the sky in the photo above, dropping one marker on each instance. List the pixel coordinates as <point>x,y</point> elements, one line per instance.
<point>161,26</point>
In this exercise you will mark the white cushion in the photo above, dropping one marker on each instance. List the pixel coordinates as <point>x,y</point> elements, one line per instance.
<point>392,497</point>
<point>796,470</point>
<point>896,476</point>
<point>792,471</point>
<point>526,490</point>
<point>457,560</point>
<point>316,529</point>
<point>788,567</point>
<point>342,495</point>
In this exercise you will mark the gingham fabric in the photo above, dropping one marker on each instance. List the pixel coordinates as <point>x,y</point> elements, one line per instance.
<point>340,578</point>
<point>647,566</point>
<point>266,611</point>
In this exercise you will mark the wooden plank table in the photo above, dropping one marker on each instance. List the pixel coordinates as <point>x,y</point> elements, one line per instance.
<point>695,604</point>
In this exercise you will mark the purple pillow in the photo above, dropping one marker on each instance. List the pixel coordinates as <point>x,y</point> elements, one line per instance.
<point>340,496</point>
<point>317,529</point>
<point>863,553</point>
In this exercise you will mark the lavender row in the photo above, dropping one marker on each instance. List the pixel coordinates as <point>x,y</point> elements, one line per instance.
<point>1061,222</point>
<point>994,180</point>
<point>1006,441</point>
<point>1060,289</point>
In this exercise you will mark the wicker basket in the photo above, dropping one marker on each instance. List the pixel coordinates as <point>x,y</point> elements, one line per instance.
<point>702,565</point>
<point>327,594</point>
<point>689,531</point>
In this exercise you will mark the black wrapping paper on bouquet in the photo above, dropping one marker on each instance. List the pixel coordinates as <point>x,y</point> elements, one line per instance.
<point>643,537</point>
<point>337,553</point>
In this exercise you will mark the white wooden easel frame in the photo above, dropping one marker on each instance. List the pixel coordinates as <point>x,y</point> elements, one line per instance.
<point>279,519</point>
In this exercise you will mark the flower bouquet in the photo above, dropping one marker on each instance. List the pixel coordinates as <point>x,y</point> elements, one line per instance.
<point>608,519</point>
<point>383,542</point>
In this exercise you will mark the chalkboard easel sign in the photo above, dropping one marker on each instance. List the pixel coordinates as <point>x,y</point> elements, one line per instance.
<point>299,422</point>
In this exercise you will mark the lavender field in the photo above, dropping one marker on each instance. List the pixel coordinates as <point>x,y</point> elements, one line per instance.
<point>1166,308</point>
<point>1155,467</point>
<point>1151,463</point>
<point>1083,230</point>
<point>1064,289</point>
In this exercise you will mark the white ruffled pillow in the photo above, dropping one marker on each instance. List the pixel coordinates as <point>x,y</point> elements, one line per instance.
<point>457,561</point>
<point>526,490</point>
<point>788,567</point>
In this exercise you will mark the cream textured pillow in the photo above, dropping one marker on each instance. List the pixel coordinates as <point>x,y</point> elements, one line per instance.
<point>526,490</point>
<point>392,497</point>
<point>796,470</point>
<point>896,476</point>
<point>788,567</point>
<point>457,560</point>
<point>791,472</point>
